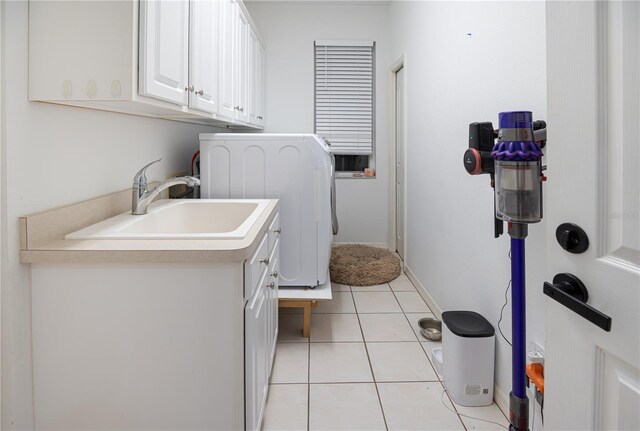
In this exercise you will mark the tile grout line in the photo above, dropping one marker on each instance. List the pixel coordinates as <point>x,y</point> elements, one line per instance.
<point>454,407</point>
<point>309,383</point>
<point>432,366</point>
<point>374,380</point>
<point>423,344</point>
<point>418,339</point>
<point>361,382</point>
<point>373,376</point>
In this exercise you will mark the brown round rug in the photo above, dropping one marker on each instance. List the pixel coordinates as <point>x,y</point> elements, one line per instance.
<point>362,265</point>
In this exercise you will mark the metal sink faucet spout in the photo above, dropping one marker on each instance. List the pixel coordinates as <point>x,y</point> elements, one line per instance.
<point>141,197</point>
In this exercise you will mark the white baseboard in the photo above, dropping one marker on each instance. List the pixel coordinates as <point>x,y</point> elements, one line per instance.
<point>437,311</point>
<point>371,244</point>
<point>501,399</point>
<point>499,396</point>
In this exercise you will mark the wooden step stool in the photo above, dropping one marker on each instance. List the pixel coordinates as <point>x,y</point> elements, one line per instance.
<point>306,298</point>
<point>307,305</point>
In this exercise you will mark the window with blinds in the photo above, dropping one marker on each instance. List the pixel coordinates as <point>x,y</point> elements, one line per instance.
<point>344,100</point>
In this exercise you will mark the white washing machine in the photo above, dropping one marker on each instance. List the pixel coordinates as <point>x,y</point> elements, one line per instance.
<point>298,169</point>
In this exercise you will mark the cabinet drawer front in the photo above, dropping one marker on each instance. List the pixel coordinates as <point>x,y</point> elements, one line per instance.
<point>254,267</point>
<point>274,232</point>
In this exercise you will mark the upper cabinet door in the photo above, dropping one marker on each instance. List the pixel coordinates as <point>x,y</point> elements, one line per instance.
<point>204,54</point>
<point>164,50</point>
<point>242,48</point>
<point>253,74</point>
<point>228,58</point>
<point>262,84</point>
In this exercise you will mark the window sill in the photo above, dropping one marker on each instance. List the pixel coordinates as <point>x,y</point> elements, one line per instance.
<point>350,175</point>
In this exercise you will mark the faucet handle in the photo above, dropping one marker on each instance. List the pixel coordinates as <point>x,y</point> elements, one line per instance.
<point>140,179</point>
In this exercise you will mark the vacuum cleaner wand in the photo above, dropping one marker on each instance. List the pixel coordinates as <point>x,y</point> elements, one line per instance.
<point>515,167</point>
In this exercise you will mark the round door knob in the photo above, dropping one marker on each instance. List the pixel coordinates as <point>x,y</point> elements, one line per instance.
<point>265,261</point>
<point>278,231</point>
<point>272,285</point>
<point>189,88</point>
<point>200,92</point>
<point>274,274</point>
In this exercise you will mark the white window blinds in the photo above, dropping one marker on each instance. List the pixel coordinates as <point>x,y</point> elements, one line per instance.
<point>344,99</point>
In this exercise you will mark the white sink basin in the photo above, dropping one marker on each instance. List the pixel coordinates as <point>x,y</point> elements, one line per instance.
<point>181,219</point>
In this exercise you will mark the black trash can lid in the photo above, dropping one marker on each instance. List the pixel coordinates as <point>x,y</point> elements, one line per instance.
<point>468,324</point>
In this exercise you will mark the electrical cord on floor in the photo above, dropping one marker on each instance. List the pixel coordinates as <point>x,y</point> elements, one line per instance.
<point>467,416</point>
<point>506,301</point>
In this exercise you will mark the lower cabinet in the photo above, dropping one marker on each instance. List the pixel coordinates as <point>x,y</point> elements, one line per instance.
<point>261,333</point>
<point>151,345</point>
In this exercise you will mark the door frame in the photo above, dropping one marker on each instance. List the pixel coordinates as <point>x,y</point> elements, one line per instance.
<point>400,63</point>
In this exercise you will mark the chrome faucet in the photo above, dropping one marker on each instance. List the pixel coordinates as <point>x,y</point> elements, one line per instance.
<point>141,197</point>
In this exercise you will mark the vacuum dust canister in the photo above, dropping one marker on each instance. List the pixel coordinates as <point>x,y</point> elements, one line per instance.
<point>518,169</point>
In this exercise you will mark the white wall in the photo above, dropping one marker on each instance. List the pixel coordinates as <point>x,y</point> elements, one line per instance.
<point>54,155</point>
<point>288,30</point>
<point>454,79</point>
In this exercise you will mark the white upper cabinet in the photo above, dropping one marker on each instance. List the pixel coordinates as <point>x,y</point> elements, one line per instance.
<point>164,50</point>
<point>175,59</point>
<point>178,61</point>
<point>204,55</point>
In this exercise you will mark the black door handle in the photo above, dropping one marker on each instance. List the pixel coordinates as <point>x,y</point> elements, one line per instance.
<point>569,291</point>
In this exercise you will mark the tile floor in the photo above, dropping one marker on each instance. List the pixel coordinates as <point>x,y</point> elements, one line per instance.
<point>365,367</point>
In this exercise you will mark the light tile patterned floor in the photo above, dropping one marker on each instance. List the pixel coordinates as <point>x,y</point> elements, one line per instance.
<point>366,367</point>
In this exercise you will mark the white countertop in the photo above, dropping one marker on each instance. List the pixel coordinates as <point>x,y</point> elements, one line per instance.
<point>42,238</point>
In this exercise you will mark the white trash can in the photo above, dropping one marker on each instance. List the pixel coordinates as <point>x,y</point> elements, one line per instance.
<point>468,357</point>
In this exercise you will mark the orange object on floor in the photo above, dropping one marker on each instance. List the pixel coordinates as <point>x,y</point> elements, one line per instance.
<point>535,372</point>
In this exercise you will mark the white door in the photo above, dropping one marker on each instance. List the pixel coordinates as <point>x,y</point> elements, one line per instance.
<point>592,376</point>
<point>400,160</point>
<point>228,55</point>
<point>164,50</point>
<point>203,64</point>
